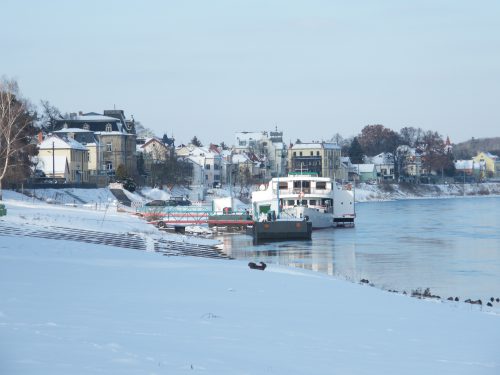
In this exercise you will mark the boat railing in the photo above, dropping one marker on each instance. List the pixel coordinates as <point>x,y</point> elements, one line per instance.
<point>303,190</point>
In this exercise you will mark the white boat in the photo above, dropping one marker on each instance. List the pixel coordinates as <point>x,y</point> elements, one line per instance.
<point>305,195</point>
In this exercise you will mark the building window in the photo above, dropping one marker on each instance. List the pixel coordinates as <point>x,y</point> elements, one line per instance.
<point>109,146</point>
<point>109,127</point>
<point>207,167</point>
<point>300,153</point>
<point>109,166</point>
<point>86,126</point>
<point>312,153</point>
<point>294,153</point>
<point>317,153</point>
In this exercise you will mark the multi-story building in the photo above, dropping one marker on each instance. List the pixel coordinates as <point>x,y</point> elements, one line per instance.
<point>322,158</point>
<point>115,135</point>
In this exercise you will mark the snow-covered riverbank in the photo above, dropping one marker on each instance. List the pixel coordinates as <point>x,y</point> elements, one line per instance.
<point>83,308</point>
<point>365,192</point>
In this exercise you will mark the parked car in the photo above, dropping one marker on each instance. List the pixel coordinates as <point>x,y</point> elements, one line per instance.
<point>157,203</point>
<point>172,202</point>
<point>179,201</point>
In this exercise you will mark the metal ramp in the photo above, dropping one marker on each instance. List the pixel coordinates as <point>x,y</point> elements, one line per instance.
<point>121,197</point>
<point>76,198</point>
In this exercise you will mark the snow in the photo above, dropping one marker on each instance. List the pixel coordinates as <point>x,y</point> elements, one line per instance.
<point>307,146</point>
<point>90,197</point>
<point>367,192</point>
<point>78,308</point>
<point>59,143</point>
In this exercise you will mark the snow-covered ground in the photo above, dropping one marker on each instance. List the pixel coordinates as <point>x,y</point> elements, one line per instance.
<point>366,192</point>
<point>78,308</point>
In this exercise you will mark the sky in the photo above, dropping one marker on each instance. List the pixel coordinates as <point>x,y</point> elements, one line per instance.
<point>310,68</point>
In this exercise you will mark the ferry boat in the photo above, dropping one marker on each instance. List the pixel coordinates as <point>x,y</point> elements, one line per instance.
<point>305,195</point>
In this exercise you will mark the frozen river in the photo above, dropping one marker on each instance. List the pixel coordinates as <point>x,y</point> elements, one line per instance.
<point>451,246</point>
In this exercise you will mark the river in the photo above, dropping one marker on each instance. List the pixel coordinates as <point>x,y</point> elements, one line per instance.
<point>451,246</point>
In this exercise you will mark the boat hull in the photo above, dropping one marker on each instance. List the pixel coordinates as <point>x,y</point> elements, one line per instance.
<point>319,219</point>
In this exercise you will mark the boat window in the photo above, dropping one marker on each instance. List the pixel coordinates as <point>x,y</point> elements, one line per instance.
<point>303,202</point>
<point>321,185</point>
<point>283,185</point>
<point>290,202</point>
<point>312,202</point>
<point>301,184</point>
<point>326,202</point>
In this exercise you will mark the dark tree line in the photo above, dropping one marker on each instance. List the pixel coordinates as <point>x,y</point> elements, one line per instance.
<point>428,145</point>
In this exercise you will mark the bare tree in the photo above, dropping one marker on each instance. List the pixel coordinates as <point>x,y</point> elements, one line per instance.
<point>16,128</point>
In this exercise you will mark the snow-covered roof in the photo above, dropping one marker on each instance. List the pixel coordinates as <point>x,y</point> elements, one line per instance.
<point>318,145</point>
<point>240,159</point>
<point>467,164</point>
<point>60,143</point>
<point>250,135</point>
<point>382,158</point>
<point>72,130</point>
<point>93,118</point>
<point>490,155</point>
<point>45,164</point>
<point>365,168</point>
<point>196,160</point>
<point>153,140</point>
<point>111,133</point>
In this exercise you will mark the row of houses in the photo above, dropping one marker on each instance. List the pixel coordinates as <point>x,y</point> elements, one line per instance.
<point>89,148</point>
<point>483,165</point>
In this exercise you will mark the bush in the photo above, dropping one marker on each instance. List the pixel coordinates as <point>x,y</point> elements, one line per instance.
<point>129,184</point>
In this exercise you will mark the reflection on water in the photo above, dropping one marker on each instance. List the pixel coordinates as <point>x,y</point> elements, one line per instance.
<point>449,245</point>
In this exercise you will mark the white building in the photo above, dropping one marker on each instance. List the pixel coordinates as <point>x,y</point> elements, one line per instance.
<point>64,159</point>
<point>268,146</point>
<point>210,160</point>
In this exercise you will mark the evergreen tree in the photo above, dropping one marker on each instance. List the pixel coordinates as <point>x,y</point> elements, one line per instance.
<point>356,152</point>
<point>121,173</point>
<point>196,142</point>
<point>167,141</point>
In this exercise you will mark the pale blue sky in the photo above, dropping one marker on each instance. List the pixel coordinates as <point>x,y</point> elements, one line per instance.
<point>313,68</point>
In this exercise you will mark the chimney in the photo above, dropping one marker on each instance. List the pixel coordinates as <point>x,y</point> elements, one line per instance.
<point>72,115</point>
<point>40,137</point>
